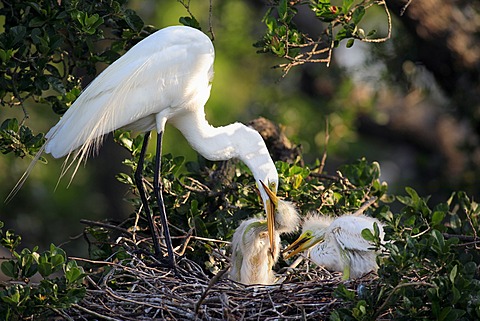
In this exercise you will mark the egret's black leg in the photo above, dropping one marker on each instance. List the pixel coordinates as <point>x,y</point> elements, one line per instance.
<point>157,189</point>
<point>143,196</point>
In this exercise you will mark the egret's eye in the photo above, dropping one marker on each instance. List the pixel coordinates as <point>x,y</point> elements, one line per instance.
<point>308,234</point>
<point>272,186</point>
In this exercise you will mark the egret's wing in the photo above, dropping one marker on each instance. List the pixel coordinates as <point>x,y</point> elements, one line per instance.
<point>163,71</point>
<point>246,249</point>
<point>236,260</point>
<point>166,70</point>
<point>347,230</point>
<point>351,240</point>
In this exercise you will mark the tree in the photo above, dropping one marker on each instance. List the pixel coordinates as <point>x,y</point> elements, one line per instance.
<point>434,117</point>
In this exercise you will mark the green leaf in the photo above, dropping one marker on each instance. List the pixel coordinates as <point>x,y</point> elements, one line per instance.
<point>371,33</point>
<point>190,22</point>
<point>367,235</point>
<point>17,34</point>
<point>270,21</point>
<point>36,22</point>
<point>10,124</point>
<point>342,292</point>
<point>456,295</point>
<point>124,178</point>
<point>450,314</point>
<point>413,195</point>
<point>6,55</point>
<point>350,43</point>
<point>346,5</point>
<point>470,269</point>
<point>282,9</point>
<point>440,240</point>
<point>45,269</point>
<point>453,274</point>
<point>133,20</point>
<point>437,217</point>
<point>56,84</point>
<point>73,273</point>
<point>10,269</point>
<point>75,295</point>
<point>57,260</point>
<point>297,182</point>
<point>12,298</point>
<point>358,14</point>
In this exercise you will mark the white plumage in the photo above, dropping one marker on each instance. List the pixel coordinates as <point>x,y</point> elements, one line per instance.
<point>165,77</point>
<point>252,261</point>
<point>252,257</point>
<point>338,244</point>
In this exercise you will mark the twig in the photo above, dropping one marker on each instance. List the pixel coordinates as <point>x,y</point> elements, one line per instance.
<point>404,8</point>
<point>365,205</point>
<point>106,225</point>
<point>468,238</point>
<point>210,23</point>
<point>389,19</point>
<point>187,239</point>
<point>98,315</point>
<point>214,280</point>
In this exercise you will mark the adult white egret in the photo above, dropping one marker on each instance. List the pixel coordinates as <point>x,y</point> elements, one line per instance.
<point>164,78</point>
<point>337,243</point>
<point>252,256</point>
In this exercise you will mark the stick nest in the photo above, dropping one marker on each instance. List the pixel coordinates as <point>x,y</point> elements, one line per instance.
<point>135,290</point>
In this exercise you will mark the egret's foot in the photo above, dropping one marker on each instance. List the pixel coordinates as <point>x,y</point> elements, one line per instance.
<point>163,262</point>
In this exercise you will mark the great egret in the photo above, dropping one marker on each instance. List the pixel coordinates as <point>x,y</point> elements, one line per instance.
<point>337,243</point>
<point>252,256</point>
<point>166,77</point>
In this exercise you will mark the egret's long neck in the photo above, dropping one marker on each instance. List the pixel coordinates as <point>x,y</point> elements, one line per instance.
<point>226,142</point>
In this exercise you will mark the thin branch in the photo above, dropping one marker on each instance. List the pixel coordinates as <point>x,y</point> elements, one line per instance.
<point>404,8</point>
<point>212,282</point>
<point>106,225</point>
<point>210,20</point>
<point>467,238</point>
<point>98,315</point>
<point>389,33</point>
<point>365,205</point>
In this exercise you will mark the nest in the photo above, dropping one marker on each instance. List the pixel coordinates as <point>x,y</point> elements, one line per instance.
<point>137,291</point>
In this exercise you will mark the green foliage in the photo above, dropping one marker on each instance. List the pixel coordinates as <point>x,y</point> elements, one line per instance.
<point>427,271</point>
<point>340,22</point>
<point>45,51</point>
<point>19,139</point>
<point>60,282</point>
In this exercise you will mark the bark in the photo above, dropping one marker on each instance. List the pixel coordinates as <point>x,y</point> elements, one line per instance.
<point>277,143</point>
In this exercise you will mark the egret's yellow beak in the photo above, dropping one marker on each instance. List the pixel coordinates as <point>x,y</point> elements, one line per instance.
<point>272,203</point>
<point>304,242</point>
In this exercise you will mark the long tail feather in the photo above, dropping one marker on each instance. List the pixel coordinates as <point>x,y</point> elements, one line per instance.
<point>25,175</point>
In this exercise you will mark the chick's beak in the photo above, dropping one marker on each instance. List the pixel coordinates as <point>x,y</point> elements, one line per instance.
<point>304,242</point>
<point>272,203</point>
